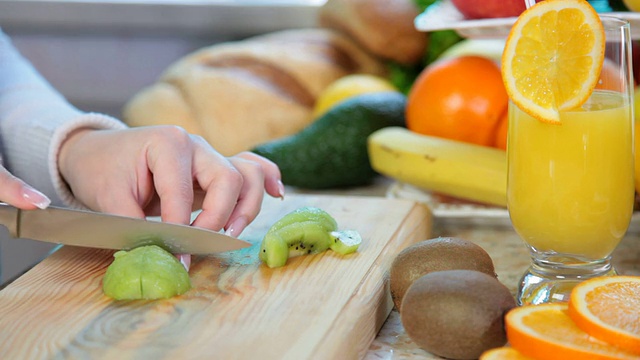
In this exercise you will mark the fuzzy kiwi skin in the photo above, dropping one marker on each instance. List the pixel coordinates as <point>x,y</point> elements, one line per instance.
<point>457,314</point>
<point>442,253</point>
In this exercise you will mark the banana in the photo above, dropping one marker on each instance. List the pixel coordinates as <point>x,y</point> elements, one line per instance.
<point>463,170</point>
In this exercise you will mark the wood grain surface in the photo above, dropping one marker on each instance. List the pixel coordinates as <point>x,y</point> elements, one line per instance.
<point>323,306</point>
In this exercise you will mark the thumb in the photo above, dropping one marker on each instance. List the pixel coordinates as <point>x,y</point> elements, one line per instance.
<point>17,193</point>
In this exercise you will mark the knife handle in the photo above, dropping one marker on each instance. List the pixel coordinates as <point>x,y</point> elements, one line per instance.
<point>9,218</point>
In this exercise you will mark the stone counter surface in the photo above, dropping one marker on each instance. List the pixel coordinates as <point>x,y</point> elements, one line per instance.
<point>511,259</point>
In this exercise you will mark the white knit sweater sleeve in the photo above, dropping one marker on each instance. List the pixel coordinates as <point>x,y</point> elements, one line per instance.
<point>34,121</point>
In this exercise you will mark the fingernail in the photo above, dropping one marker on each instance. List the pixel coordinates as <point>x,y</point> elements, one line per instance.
<point>35,197</point>
<point>236,227</point>
<point>185,260</point>
<point>281,189</point>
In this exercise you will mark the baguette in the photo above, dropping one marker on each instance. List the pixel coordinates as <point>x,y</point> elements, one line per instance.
<point>241,94</point>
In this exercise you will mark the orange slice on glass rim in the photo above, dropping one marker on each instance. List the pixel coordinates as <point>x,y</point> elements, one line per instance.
<point>553,57</point>
<point>608,308</point>
<point>547,332</point>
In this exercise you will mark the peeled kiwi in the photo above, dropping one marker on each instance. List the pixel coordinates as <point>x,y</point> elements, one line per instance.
<point>146,272</point>
<point>307,230</point>
<point>443,253</point>
<point>456,314</point>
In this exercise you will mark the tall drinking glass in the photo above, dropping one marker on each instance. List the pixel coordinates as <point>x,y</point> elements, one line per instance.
<point>570,186</point>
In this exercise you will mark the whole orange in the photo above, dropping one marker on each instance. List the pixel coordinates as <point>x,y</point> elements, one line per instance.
<point>500,140</point>
<point>459,98</point>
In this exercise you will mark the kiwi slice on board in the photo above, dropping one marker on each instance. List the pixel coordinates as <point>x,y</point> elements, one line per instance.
<point>146,272</point>
<point>345,242</point>
<point>307,230</point>
<point>307,213</point>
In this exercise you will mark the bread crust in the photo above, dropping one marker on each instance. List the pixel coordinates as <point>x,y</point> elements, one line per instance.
<point>241,94</point>
<point>383,27</point>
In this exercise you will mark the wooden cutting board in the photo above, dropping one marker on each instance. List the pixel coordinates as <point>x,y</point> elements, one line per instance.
<point>323,306</point>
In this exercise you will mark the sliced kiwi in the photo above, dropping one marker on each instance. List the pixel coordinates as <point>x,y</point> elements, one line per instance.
<point>345,242</point>
<point>295,239</point>
<point>307,230</point>
<point>304,214</point>
<point>146,272</point>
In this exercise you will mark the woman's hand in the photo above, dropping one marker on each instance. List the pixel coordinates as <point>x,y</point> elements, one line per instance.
<point>162,170</point>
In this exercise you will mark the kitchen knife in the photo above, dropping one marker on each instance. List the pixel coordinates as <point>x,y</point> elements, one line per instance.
<point>99,230</point>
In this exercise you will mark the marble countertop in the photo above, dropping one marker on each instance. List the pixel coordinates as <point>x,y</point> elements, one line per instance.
<point>491,229</point>
<point>511,260</point>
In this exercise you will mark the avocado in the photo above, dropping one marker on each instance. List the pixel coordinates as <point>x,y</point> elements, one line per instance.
<point>332,151</point>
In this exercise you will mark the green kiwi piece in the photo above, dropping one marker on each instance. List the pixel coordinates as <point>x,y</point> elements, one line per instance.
<point>301,238</point>
<point>307,230</point>
<point>307,213</point>
<point>147,272</point>
<point>345,242</point>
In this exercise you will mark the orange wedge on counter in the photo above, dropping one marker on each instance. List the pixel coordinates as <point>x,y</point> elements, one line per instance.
<point>503,353</point>
<point>553,57</point>
<point>608,308</point>
<point>547,332</point>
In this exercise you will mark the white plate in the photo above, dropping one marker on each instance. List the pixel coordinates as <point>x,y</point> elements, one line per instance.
<point>444,16</point>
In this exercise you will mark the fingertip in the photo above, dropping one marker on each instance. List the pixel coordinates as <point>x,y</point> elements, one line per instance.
<point>208,219</point>
<point>35,197</point>
<point>236,226</point>
<point>275,187</point>
<point>281,189</point>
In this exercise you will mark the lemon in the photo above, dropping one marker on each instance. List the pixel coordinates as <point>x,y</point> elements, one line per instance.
<point>553,57</point>
<point>349,86</point>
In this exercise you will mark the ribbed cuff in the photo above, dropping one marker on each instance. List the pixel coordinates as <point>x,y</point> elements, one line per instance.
<point>89,121</point>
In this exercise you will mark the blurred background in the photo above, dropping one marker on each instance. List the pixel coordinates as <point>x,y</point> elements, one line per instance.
<point>98,53</point>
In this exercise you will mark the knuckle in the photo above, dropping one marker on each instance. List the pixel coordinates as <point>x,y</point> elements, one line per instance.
<point>235,177</point>
<point>171,133</point>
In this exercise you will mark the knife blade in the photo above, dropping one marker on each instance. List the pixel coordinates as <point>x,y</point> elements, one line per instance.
<point>100,230</point>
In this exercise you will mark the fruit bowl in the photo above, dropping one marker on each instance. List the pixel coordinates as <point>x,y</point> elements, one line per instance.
<point>444,16</point>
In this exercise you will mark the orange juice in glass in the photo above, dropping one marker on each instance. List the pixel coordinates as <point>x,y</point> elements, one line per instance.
<point>570,187</point>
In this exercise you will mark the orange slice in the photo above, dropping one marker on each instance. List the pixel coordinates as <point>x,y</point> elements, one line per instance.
<point>553,57</point>
<point>608,308</point>
<point>503,353</point>
<point>547,332</point>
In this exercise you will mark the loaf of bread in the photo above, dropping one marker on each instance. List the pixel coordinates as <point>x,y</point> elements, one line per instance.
<point>383,27</point>
<point>244,93</point>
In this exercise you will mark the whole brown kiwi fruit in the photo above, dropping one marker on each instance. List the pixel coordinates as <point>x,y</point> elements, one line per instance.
<point>457,314</point>
<point>442,253</point>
